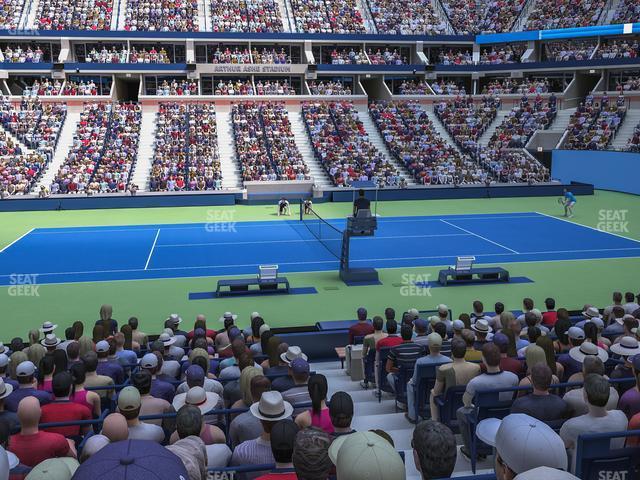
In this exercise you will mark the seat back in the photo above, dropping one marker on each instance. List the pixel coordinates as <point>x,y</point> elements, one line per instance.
<point>425,380</point>
<point>358,339</point>
<point>383,385</point>
<point>603,455</point>
<point>464,264</point>
<point>451,402</point>
<point>494,403</point>
<point>405,372</point>
<point>369,366</point>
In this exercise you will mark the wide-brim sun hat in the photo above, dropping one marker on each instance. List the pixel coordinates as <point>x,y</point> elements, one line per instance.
<point>588,349</point>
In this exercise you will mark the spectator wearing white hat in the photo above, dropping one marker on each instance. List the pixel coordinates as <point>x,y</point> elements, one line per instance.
<point>106,366</point>
<point>25,372</point>
<point>433,358</point>
<point>129,405</point>
<point>547,473</point>
<point>366,456</point>
<point>597,420</point>
<point>10,417</point>
<point>4,363</point>
<point>445,316</point>
<point>522,443</point>
<point>434,450</point>
<point>482,329</point>
<point>575,398</point>
<point>173,322</point>
<point>571,365</point>
<point>159,388</point>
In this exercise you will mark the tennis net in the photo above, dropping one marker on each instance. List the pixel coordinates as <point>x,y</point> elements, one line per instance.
<point>327,234</point>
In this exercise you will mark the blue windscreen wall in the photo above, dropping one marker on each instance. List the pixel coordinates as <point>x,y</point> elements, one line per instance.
<point>617,171</point>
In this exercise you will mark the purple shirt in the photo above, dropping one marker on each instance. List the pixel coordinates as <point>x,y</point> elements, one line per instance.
<point>12,401</point>
<point>111,369</point>
<point>630,402</point>
<point>161,389</point>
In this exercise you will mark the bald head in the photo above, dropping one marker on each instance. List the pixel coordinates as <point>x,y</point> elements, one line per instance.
<point>201,317</point>
<point>115,427</point>
<point>29,412</point>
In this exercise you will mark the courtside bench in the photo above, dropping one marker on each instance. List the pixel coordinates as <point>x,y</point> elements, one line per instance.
<point>473,275</point>
<point>242,286</point>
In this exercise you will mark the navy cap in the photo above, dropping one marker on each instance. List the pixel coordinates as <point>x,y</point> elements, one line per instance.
<point>299,366</point>
<point>194,374</point>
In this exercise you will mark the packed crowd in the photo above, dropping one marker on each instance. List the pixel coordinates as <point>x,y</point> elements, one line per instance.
<point>270,56</point>
<point>246,16</point>
<point>88,87</point>
<point>482,16</point>
<point>628,11</point>
<point>234,87</point>
<point>569,50</point>
<point>151,55</point>
<point>11,13</point>
<point>412,87</point>
<point>387,57</point>
<point>413,17</point>
<point>412,138</point>
<point>162,16</point>
<point>274,87</point>
<point>499,54</point>
<point>634,141</point>
<point>17,53</point>
<point>344,56</point>
<point>526,86</point>
<point>512,166</point>
<point>265,143</point>
<point>223,54</point>
<point>448,87</point>
<point>466,120</point>
<point>328,87</point>
<point>177,87</point>
<point>630,84</point>
<point>523,121</point>
<point>19,170</point>
<point>594,124</point>
<point>42,87</point>
<point>318,16</point>
<point>453,56</point>
<point>186,153</point>
<point>342,145</point>
<point>552,14</point>
<point>76,15</point>
<point>619,48</point>
<point>113,54</point>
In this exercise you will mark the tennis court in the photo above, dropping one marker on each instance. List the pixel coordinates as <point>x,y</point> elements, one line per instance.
<point>139,252</point>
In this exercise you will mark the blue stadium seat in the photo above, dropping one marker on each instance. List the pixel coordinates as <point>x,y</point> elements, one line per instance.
<point>448,404</point>
<point>595,459</point>
<point>426,379</point>
<point>382,385</point>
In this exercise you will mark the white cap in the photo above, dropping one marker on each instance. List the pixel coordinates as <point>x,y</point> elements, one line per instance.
<point>102,346</point>
<point>25,369</point>
<point>546,473</point>
<point>524,442</point>
<point>442,308</point>
<point>149,361</point>
<point>4,360</point>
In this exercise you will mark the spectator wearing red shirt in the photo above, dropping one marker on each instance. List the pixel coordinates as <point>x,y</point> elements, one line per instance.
<point>392,338</point>
<point>33,446</point>
<point>64,410</point>
<point>550,317</point>
<point>507,364</point>
<point>362,328</point>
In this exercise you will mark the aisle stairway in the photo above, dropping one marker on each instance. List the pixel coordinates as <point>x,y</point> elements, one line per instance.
<point>486,136</point>
<point>625,132</point>
<point>440,130</point>
<point>142,168</point>
<point>231,175</point>
<point>303,142</point>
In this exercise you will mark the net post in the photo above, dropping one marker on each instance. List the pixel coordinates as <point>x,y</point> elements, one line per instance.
<point>301,209</point>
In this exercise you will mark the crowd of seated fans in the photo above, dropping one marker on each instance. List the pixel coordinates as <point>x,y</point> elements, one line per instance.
<point>466,120</point>
<point>265,143</point>
<point>177,87</point>
<point>186,153</point>
<point>115,54</point>
<point>227,55</point>
<point>634,141</point>
<point>239,16</point>
<point>152,55</point>
<point>453,56</point>
<point>342,145</point>
<point>499,54</point>
<point>270,56</point>
<point>345,56</point>
<point>11,13</point>
<point>628,85</point>
<point>526,86</point>
<point>413,17</point>
<point>511,166</point>
<point>594,124</point>
<point>523,121</point>
<point>448,87</point>
<point>412,87</point>
<point>628,11</point>
<point>386,57</point>
<point>328,87</point>
<point>482,17</point>
<point>237,87</point>
<point>552,14</point>
<point>82,88</point>
<point>43,87</point>
<point>412,138</point>
<point>569,50</point>
<point>618,48</point>
<point>162,16</point>
<point>76,15</point>
<point>27,54</point>
<point>19,170</point>
<point>318,16</point>
<point>274,87</point>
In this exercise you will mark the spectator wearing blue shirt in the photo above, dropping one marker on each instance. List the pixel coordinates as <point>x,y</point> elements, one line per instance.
<point>106,366</point>
<point>109,324</point>
<point>159,388</point>
<point>26,379</point>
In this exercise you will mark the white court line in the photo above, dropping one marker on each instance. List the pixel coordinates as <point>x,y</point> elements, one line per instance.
<point>152,248</point>
<point>307,240</point>
<point>481,237</point>
<point>17,240</point>
<point>587,226</point>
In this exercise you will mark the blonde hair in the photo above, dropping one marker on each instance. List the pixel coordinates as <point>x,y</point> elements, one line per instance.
<point>534,355</point>
<point>245,383</point>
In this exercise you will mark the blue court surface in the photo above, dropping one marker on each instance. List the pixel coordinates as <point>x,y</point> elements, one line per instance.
<point>139,252</point>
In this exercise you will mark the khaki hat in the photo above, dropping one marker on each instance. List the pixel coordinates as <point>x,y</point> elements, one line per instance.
<point>434,339</point>
<point>366,456</point>
<point>129,399</point>
<point>196,397</point>
<point>54,469</point>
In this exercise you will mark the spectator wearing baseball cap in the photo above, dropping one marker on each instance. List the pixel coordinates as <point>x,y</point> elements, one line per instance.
<point>597,420</point>
<point>25,373</point>
<point>541,404</point>
<point>54,468</point>
<point>311,454</point>
<point>362,328</point>
<point>195,377</point>
<point>433,358</point>
<point>507,363</point>
<point>493,378</point>
<point>341,413</point>
<point>32,445</point>
<point>318,415</point>
<point>366,456</point>
<point>151,405</point>
<point>421,328</point>
<point>187,444</point>
<point>522,443</point>
<point>61,409</point>
<point>434,449</point>
<point>299,392</point>
<point>283,436</point>
<point>630,401</point>
<point>457,373</point>
<point>576,338</point>
<point>575,398</point>
<point>106,366</point>
<point>269,410</point>
<point>129,405</point>
<point>152,362</point>
<point>246,426</point>
<point>404,354</point>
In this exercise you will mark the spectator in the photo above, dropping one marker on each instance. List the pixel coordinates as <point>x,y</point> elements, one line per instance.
<point>630,305</point>
<point>299,391</point>
<point>129,405</point>
<point>92,379</point>
<point>472,354</point>
<point>246,426</point>
<point>507,363</point>
<point>189,447</point>
<point>540,403</point>
<point>151,405</point>
<point>362,328</point>
<point>392,339</point>
<point>371,340</point>
<point>570,361</point>
<point>629,403</point>
<point>434,450</point>
<point>62,409</point>
<point>627,348</point>
<point>25,373</point>
<point>597,420</point>
<point>159,388</point>
<point>341,413</point>
<point>311,454</point>
<point>575,398</point>
<point>318,415</point>
<point>10,418</point>
<point>283,436</point>
<point>106,366</point>
<point>405,354</point>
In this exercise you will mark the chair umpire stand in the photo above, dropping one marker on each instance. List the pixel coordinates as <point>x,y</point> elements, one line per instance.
<point>362,225</point>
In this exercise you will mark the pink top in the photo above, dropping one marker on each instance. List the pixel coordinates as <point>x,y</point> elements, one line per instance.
<point>322,420</point>
<point>47,386</point>
<point>81,399</point>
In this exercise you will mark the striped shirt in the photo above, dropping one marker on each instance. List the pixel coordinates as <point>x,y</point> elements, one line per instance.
<point>252,452</point>
<point>405,354</point>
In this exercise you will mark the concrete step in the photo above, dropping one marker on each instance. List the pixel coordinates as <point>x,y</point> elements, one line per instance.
<point>486,136</point>
<point>303,142</point>
<point>231,176</point>
<point>625,132</point>
<point>440,129</point>
<point>142,168</point>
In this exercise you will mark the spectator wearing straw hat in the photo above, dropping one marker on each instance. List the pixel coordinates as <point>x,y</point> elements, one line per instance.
<point>50,342</point>
<point>129,405</point>
<point>588,314</point>
<point>366,456</point>
<point>482,329</point>
<point>47,328</point>
<point>615,327</point>
<point>173,322</point>
<point>4,364</point>
<point>9,417</point>
<point>627,349</point>
<point>25,372</point>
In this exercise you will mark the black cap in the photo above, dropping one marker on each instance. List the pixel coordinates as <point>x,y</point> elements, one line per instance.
<point>341,405</point>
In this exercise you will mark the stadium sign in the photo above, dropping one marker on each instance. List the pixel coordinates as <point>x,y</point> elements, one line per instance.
<point>252,69</point>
